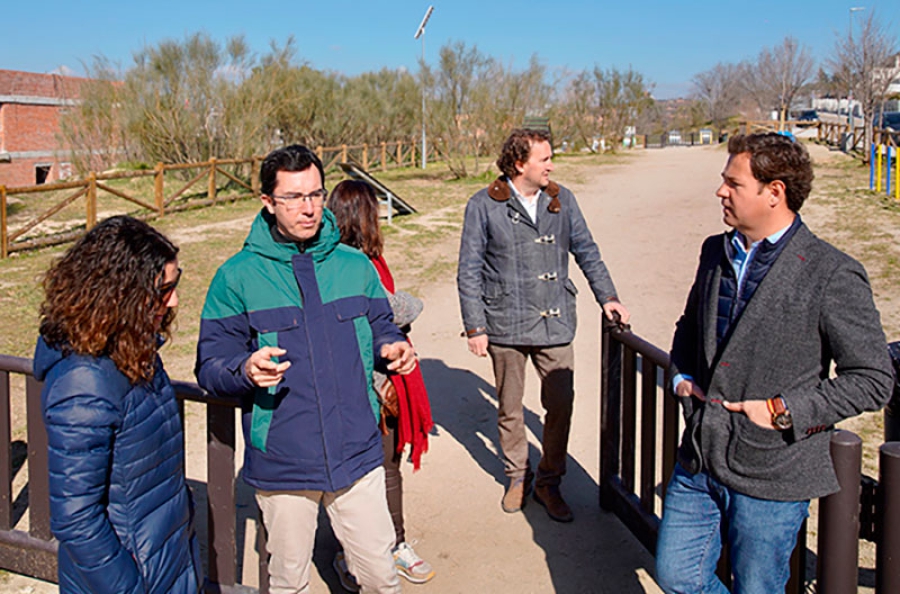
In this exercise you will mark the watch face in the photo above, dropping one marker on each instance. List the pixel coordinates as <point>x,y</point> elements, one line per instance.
<point>783,421</point>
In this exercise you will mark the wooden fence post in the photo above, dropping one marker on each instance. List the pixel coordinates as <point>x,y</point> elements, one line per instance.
<point>838,547</point>
<point>254,172</point>
<point>211,189</point>
<point>343,153</point>
<point>91,202</point>
<point>4,232</point>
<point>320,152</point>
<point>383,156</point>
<point>887,575</point>
<point>158,181</point>
<point>399,153</point>
<point>365,156</point>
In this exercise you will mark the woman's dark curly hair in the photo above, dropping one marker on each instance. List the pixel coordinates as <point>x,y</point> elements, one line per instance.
<point>356,209</point>
<point>102,296</point>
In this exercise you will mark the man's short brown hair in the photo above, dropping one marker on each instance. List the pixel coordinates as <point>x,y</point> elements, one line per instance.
<point>777,157</point>
<point>517,148</point>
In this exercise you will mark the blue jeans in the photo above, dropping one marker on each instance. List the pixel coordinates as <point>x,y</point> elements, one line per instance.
<point>761,533</point>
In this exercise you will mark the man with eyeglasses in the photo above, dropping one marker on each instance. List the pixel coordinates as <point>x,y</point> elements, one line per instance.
<point>293,326</point>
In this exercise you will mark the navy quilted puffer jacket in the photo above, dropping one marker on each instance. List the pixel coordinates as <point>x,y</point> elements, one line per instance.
<point>119,503</point>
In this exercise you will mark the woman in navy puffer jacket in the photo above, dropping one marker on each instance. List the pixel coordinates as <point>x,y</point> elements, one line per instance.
<point>119,503</point>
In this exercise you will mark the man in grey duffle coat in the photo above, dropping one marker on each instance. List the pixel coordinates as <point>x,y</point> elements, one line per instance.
<point>518,302</point>
<point>772,306</point>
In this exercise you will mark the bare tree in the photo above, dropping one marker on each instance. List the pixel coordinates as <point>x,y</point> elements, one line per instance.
<point>514,95</point>
<point>602,103</point>
<point>91,129</point>
<point>778,75</point>
<point>863,63</point>
<point>717,92</point>
<point>622,97</point>
<point>461,82</point>
<point>574,112</point>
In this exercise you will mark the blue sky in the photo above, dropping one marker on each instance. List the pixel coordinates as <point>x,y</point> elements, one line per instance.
<point>668,42</point>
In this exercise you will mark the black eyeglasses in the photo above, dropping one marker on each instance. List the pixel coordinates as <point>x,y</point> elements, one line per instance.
<point>165,289</point>
<point>291,201</point>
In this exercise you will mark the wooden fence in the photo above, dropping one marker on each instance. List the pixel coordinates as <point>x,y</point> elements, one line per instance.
<point>838,134</point>
<point>175,187</point>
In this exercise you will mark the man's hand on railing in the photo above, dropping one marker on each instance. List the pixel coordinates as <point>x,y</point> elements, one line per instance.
<point>616,312</point>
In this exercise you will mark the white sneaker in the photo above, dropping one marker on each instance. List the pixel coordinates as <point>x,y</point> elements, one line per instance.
<point>410,565</point>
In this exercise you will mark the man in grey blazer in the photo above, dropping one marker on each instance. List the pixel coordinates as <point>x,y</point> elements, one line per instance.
<point>772,306</point>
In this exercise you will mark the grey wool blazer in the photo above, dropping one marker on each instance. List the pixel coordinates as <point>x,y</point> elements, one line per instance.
<point>813,307</point>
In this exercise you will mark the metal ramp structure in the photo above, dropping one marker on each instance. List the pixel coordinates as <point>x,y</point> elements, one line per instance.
<point>385,196</point>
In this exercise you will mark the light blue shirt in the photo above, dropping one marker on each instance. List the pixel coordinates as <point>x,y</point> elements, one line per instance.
<point>743,257</point>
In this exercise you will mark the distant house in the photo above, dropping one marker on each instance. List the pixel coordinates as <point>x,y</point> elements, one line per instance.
<point>31,152</point>
<point>892,73</point>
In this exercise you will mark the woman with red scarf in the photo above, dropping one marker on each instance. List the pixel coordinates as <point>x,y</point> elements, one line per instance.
<point>356,208</point>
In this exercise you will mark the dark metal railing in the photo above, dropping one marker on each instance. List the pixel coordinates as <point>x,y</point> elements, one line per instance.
<point>637,456</point>
<point>33,553</point>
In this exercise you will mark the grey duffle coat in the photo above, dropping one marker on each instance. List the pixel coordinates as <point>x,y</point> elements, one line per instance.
<point>513,276</point>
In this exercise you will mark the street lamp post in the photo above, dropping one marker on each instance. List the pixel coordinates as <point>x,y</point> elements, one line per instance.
<point>850,86</point>
<point>420,32</point>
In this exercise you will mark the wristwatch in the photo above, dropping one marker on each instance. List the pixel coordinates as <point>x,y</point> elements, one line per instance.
<point>781,416</point>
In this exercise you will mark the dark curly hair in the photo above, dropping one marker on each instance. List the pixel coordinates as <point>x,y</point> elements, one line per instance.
<point>517,148</point>
<point>356,209</point>
<point>102,296</point>
<point>777,157</point>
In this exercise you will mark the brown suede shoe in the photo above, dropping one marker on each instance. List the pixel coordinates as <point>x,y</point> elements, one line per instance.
<point>514,498</point>
<point>550,497</point>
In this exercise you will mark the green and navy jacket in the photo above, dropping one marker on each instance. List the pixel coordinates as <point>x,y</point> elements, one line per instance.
<point>323,303</point>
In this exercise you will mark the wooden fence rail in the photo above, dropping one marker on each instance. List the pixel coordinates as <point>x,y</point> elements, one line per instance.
<point>226,180</point>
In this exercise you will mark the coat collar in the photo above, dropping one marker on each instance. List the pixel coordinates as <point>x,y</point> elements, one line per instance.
<point>499,191</point>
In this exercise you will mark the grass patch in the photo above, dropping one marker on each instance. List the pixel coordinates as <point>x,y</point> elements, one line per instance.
<point>420,248</point>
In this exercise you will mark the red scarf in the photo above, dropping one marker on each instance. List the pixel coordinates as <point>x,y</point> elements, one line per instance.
<point>414,421</point>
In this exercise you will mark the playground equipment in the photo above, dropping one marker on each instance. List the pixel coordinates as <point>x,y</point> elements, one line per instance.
<point>388,199</point>
<point>884,169</point>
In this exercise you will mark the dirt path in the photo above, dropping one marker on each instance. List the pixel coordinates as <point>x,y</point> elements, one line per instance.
<point>660,203</point>
<point>649,216</point>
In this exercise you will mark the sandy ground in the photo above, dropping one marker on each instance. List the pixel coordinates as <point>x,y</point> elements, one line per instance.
<point>661,202</point>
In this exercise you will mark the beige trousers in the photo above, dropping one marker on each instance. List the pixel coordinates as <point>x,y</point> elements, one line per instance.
<point>360,520</point>
<point>555,367</point>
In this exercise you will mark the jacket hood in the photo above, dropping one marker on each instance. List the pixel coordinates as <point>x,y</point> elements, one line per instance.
<point>45,357</point>
<point>260,239</point>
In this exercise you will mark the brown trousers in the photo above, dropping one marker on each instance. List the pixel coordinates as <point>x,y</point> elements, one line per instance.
<point>555,367</point>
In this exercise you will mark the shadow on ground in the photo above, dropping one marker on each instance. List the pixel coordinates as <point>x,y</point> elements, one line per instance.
<point>581,556</point>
